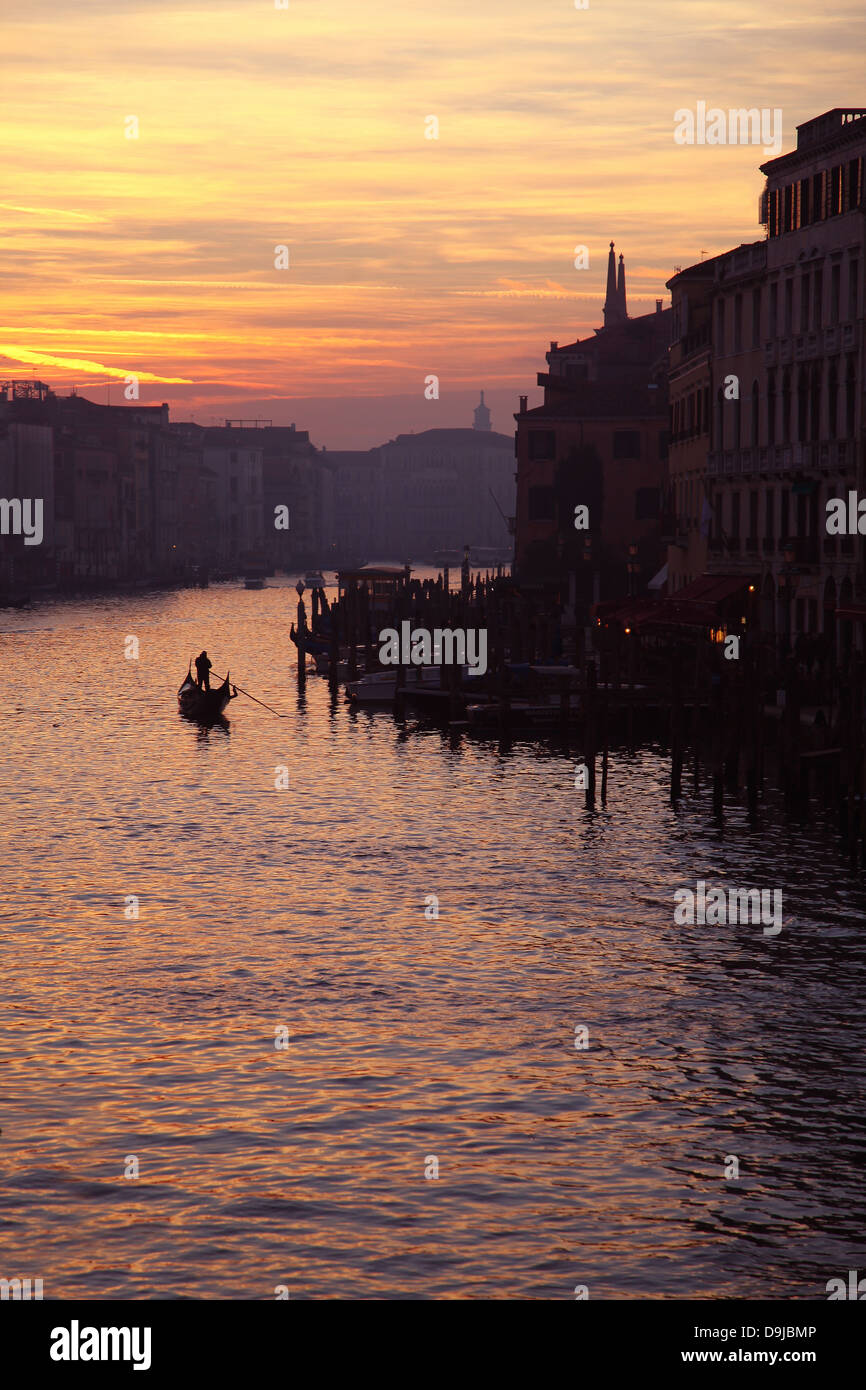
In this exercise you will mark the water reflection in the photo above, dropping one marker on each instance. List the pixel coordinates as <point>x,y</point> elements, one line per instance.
<point>410,1035</point>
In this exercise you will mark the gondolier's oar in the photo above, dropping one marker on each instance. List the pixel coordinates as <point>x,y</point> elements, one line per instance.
<point>252,697</point>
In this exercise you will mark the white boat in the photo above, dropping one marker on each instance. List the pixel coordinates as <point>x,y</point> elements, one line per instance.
<point>381,686</point>
<point>315,579</point>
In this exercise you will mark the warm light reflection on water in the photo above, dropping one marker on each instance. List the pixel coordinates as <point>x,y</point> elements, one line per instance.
<point>408,1038</point>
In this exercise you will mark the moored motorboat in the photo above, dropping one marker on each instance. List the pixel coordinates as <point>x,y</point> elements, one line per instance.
<point>380,686</point>
<point>314,579</point>
<point>205,706</point>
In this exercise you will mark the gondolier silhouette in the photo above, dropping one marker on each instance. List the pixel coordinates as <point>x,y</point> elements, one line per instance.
<point>202,670</point>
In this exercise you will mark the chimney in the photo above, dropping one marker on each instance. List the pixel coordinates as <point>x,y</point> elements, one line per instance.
<point>553,347</point>
<point>523,400</point>
<point>658,306</point>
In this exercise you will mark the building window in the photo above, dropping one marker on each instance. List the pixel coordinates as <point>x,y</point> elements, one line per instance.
<point>756,418</point>
<point>789,307</point>
<point>769,512</point>
<point>835,190</point>
<point>735,516</point>
<point>771,409</point>
<point>542,504</point>
<point>815,404</point>
<point>853,287</point>
<point>720,326</point>
<point>835,284</point>
<point>818,299</point>
<point>646,503</point>
<point>786,408</point>
<point>805,292</point>
<point>802,406</point>
<point>818,205</point>
<point>773,325</point>
<point>833,399</point>
<point>626,444</point>
<point>738,323</point>
<point>542,444</point>
<point>850,398</point>
<point>756,318</point>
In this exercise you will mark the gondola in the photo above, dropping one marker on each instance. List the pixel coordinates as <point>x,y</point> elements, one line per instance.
<point>204,705</point>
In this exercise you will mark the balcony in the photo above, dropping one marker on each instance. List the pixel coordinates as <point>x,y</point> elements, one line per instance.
<point>752,545</point>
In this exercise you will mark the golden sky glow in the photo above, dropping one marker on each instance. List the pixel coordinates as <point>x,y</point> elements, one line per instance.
<point>408,256</point>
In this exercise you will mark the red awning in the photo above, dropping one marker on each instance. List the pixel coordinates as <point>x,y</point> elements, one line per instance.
<point>713,588</point>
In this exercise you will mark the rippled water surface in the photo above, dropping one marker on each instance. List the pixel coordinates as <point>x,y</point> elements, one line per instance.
<point>409,1038</point>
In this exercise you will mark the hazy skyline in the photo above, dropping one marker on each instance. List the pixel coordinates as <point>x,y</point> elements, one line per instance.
<point>409,256</point>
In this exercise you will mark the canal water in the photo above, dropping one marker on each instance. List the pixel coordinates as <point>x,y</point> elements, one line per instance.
<point>414,1041</point>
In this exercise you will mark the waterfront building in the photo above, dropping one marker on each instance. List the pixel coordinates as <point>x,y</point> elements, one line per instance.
<point>767,394</point>
<point>599,440</point>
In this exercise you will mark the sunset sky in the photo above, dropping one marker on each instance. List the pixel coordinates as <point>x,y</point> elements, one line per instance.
<point>408,256</point>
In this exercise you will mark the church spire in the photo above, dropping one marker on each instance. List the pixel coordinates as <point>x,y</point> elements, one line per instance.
<point>620,288</point>
<point>610,304</point>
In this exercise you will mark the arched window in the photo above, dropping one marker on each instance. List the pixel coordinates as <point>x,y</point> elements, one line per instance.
<point>756,416</point>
